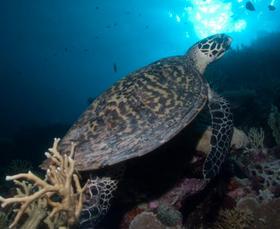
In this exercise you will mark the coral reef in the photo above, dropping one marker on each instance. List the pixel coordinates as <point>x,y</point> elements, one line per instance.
<point>57,199</point>
<point>218,204</point>
<point>266,176</point>
<point>259,190</point>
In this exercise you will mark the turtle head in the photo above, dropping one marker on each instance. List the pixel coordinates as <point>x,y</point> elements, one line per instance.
<point>208,50</point>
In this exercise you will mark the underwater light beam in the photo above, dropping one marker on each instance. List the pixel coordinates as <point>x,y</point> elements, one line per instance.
<point>272,2</point>
<point>212,16</point>
<point>215,16</point>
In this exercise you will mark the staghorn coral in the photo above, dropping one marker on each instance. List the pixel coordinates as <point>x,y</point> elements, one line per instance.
<point>234,219</point>
<point>57,198</point>
<point>37,210</point>
<point>274,123</point>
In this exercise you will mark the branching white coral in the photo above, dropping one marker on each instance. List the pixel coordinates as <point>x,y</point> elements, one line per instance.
<point>61,180</point>
<point>256,138</point>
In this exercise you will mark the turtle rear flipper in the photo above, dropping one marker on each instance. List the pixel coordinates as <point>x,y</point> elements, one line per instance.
<point>222,130</point>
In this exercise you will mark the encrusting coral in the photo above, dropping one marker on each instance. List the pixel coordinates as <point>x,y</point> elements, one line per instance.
<point>265,215</point>
<point>56,200</point>
<point>234,219</point>
<point>169,216</point>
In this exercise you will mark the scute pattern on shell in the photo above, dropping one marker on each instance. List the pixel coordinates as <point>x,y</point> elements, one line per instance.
<point>138,114</point>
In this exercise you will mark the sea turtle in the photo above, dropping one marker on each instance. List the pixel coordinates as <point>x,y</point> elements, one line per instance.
<point>143,111</point>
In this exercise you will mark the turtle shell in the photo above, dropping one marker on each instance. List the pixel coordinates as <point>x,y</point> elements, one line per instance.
<point>137,114</point>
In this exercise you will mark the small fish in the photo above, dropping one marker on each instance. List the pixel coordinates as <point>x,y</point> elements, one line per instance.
<point>271,7</point>
<point>115,68</point>
<point>250,6</point>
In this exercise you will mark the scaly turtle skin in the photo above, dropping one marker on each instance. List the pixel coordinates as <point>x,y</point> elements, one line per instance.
<point>146,109</point>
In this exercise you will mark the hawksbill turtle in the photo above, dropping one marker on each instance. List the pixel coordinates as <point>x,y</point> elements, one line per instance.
<point>143,111</point>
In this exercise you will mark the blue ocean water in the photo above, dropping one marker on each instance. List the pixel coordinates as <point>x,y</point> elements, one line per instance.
<point>56,54</point>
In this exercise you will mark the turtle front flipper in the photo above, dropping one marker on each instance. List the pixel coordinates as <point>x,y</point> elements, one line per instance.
<point>222,130</point>
<point>99,192</point>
